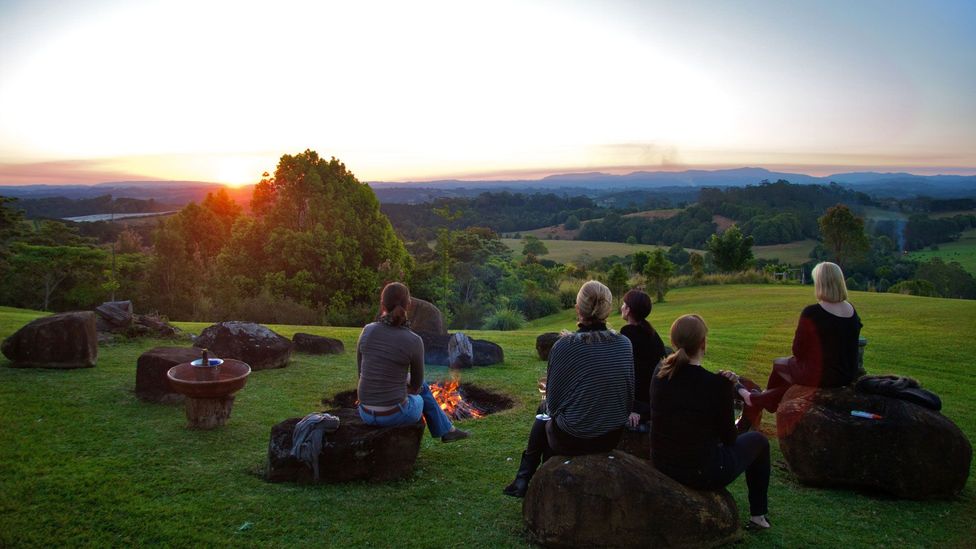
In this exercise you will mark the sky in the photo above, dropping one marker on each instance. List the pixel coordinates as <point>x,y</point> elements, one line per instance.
<point>106,90</point>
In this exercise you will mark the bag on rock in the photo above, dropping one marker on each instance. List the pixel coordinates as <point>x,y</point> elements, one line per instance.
<point>904,388</point>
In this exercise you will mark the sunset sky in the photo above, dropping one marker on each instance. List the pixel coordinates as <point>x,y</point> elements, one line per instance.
<point>94,91</point>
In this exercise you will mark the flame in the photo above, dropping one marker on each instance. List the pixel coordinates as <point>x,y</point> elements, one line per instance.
<point>446,394</point>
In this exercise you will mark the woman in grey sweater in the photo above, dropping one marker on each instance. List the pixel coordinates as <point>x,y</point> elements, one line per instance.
<point>589,393</point>
<point>390,361</point>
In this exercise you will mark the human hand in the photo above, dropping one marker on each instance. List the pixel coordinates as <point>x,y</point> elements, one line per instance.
<point>729,375</point>
<point>633,420</point>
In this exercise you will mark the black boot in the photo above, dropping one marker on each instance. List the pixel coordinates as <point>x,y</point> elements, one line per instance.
<point>527,467</point>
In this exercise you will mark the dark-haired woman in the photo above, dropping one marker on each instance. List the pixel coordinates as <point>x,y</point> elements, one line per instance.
<point>390,361</point>
<point>648,351</point>
<point>693,439</point>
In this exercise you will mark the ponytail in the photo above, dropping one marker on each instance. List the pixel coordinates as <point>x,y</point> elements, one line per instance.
<point>687,336</point>
<point>394,301</point>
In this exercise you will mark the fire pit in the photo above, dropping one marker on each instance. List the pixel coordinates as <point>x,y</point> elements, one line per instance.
<point>467,401</point>
<point>209,385</point>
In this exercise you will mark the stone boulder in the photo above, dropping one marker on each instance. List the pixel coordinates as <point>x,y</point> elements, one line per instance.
<point>618,500</point>
<point>436,351</point>
<point>65,340</point>
<point>152,385</point>
<point>254,344</point>
<point>425,317</point>
<point>635,443</point>
<point>355,452</point>
<point>911,452</point>
<point>317,345</point>
<point>460,351</point>
<point>113,316</point>
<point>544,343</point>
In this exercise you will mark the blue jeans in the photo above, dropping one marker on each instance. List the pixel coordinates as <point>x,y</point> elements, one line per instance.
<point>421,404</point>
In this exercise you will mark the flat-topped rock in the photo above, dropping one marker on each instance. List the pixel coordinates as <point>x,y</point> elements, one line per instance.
<point>65,340</point>
<point>317,345</point>
<point>152,385</point>
<point>425,317</point>
<point>437,351</point>
<point>619,500</point>
<point>258,346</point>
<point>911,452</point>
<point>544,343</point>
<point>355,452</point>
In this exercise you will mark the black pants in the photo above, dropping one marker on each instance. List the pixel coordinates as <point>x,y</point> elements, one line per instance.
<point>546,439</point>
<point>775,389</point>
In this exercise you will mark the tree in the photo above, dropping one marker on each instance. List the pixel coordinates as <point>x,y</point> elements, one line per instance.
<point>697,263</point>
<point>731,251</point>
<point>658,271</point>
<point>843,234</point>
<point>533,246</point>
<point>617,280</point>
<point>639,260</point>
<point>41,274</point>
<point>572,223</point>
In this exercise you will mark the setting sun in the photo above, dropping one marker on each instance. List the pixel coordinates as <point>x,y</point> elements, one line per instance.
<point>236,172</point>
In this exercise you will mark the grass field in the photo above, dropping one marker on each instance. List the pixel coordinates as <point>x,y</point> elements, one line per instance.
<point>83,462</point>
<point>962,250</point>
<point>564,251</point>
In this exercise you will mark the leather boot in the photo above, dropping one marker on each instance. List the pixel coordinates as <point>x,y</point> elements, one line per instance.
<point>527,467</point>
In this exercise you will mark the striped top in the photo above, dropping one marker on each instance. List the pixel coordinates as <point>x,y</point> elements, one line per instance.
<point>590,382</point>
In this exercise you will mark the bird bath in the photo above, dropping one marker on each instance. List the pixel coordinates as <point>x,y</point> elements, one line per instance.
<point>209,389</point>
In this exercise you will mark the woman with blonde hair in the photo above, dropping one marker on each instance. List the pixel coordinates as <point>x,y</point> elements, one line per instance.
<point>693,439</point>
<point>824,347</point>
<point>589,392</point>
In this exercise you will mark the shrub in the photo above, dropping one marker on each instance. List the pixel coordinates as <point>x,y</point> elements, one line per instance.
<point>914,287</point>
<point>538,304</point>
<point>567,299</point>
<point>504,319</point>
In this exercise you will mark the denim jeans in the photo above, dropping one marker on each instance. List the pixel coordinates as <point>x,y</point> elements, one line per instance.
<point>421,404</point>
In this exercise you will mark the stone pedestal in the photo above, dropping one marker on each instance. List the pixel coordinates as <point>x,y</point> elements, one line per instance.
<point>208,413</point>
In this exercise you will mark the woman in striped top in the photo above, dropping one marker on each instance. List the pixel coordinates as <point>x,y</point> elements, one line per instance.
<point>589,393</point>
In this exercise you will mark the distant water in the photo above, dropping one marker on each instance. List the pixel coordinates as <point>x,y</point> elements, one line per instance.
<point>108,217</point>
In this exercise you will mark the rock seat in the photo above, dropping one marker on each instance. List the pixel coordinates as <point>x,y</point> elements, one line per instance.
<point>355,452</point>
<point>62,341</point>
<point>911,452</point>
<point>258,346</point>
<point>317,345</point>
<point>544,343</point>
<point>619,500</point>
<point>152,385</point>
<point>436,351</point>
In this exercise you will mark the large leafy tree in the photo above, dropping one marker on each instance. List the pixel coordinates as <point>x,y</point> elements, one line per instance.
<point>318,237</point>
<point>843,234</point>
<point>731,251</point>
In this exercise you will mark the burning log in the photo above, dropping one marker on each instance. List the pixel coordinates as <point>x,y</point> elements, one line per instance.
<point>451,399</point>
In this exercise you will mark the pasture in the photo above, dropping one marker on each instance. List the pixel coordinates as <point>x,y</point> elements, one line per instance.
<point>83,462</point>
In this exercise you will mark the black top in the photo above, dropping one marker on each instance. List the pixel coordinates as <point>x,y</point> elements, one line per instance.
<point>825,347</point>
<point>691,415</point>
<point>648,351</point>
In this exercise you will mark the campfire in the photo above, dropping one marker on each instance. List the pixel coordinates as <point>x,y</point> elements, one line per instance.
<point>448,394</point>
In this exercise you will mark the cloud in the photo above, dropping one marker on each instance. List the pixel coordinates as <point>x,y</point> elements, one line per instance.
<point>64,172</point>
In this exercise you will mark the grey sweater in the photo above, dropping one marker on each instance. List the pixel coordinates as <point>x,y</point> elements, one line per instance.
<point>384,356</point>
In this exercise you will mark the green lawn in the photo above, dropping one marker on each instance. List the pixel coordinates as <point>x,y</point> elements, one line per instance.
<point>962,250</point>
<point>793,253</point>
<point>83,462</point>
<point>567,251</point>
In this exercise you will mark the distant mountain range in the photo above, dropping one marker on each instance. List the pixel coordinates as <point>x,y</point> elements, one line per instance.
<point>592,183</point>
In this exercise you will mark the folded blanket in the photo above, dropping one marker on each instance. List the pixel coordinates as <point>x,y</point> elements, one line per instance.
<point>306,440</point>
<point>904,388</point>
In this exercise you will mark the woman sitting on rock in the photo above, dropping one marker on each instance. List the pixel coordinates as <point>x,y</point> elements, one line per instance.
<point>825,346</point>
<point>648,351</point>
<point>390,360</point>
<point>693,439</point>
<point>590,386</point>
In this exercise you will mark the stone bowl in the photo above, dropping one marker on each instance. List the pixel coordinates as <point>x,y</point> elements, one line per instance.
<point>223,381</point>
